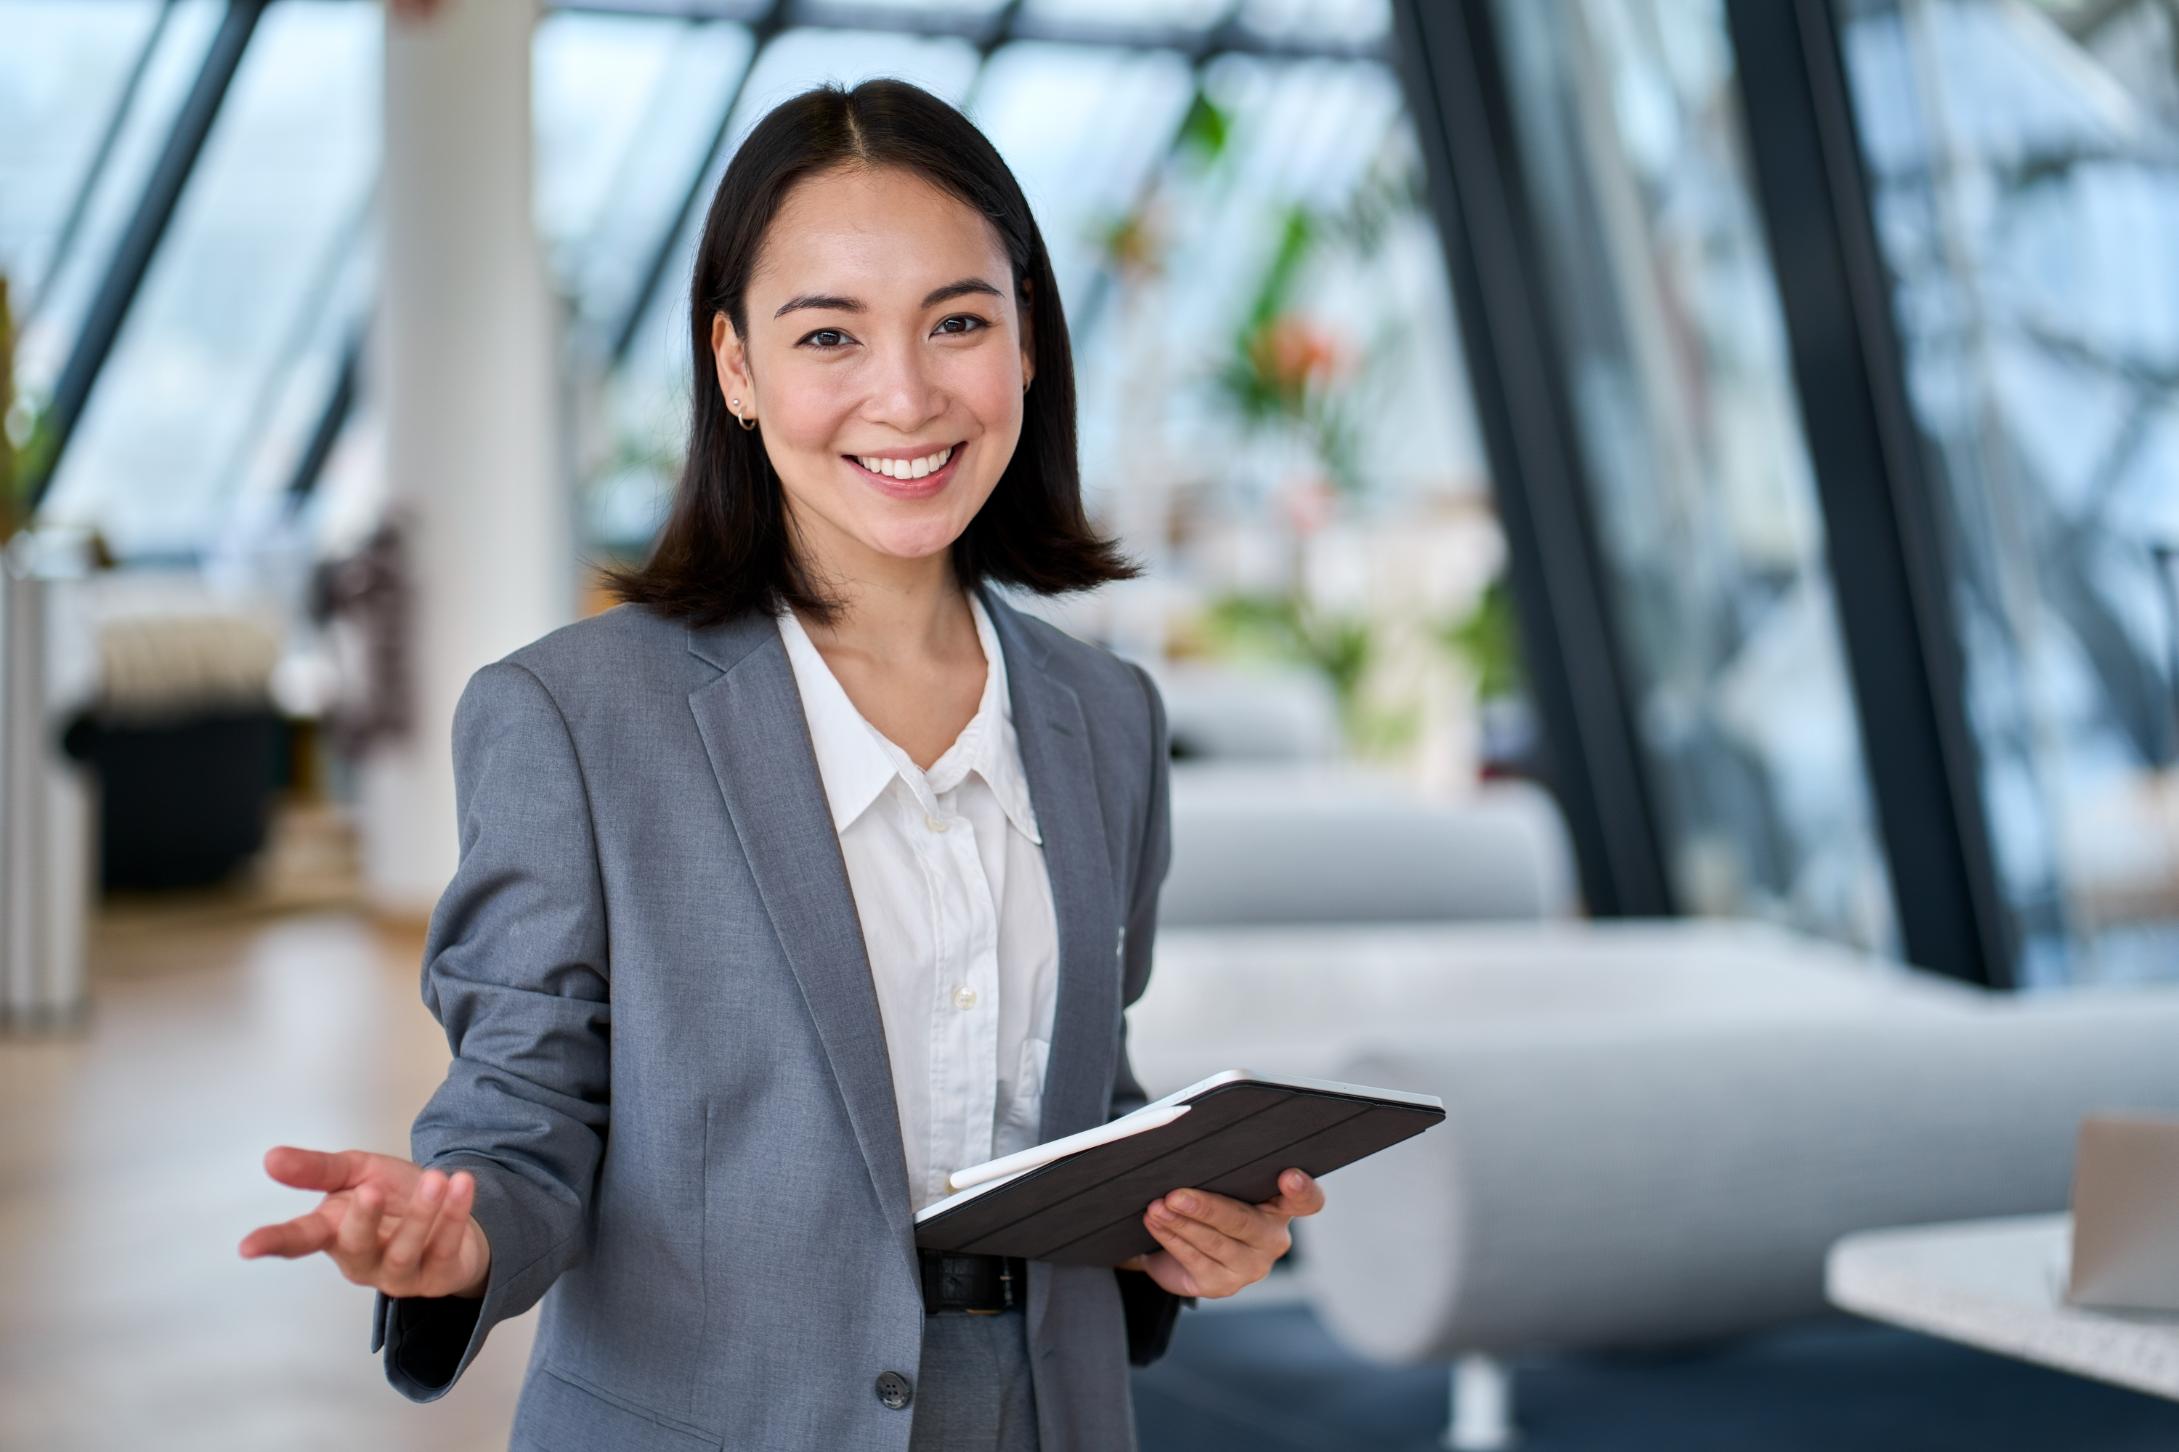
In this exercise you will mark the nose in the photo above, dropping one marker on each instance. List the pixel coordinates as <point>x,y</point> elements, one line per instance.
<point>905,393</point>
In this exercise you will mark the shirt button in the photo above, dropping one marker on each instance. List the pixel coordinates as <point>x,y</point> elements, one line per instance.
<point>936,824</point>
<point>964,997</point>
<point>894,1390</point>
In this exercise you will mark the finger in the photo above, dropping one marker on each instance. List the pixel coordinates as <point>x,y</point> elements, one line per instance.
<point>405,1250</point>
<point>1226,1251</point>
<point>355,1244</point>
<point>1299,1194</point>
<point>1169,1274</point>
<point>453,1223</point>
<point>308,1169</point>
<point>1206,1277</point>
<point>1222,1213</point>
<point>304,1235</point>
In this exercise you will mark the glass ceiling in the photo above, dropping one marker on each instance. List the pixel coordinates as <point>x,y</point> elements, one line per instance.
<point>236,331</point>
<point>88,93</point>
<point>252,313</point>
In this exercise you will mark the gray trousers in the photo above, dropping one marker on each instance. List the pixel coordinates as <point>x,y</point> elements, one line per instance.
<point>973,1393</point>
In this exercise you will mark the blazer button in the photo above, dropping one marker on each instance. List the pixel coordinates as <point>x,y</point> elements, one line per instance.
<point>893,1389</point>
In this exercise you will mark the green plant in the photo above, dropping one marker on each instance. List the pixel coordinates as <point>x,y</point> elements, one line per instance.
<point>1343,647</point>
<point>1281,368</point>
<point>26,433</point>
<point>1130,241</point>
<point>9,474</point>
<point>1258,626</point>
<point>1487,640</point>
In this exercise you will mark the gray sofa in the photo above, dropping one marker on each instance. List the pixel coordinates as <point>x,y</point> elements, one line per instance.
<point>1301,843</point>
<point>1655,1130</point>
<point>1597,1189</point>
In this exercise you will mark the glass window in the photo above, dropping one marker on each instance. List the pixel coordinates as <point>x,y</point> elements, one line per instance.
<point>2024,164</point>
<point>1704,502</point>
<point>845,9</point>
<point>1270,392</point>
<point>1077,178</point>
<point>66,70</point>
<point>1162,14</point>
<point>1356,22</point>
<point>244,302</point>
<point>88,94</point>
<point>625,108</point>
<point>1299,141</point>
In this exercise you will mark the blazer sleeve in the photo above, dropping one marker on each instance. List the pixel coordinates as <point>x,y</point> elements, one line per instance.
<point>515,972</point>
<point>1150,1309</point>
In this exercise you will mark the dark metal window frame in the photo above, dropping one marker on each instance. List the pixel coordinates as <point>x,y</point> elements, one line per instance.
<point>139,241</point>
<point>1449,61</point>
<point>1875,490</point>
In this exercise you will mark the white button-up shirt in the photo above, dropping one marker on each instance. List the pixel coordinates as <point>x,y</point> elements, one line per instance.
<point>947,868</point>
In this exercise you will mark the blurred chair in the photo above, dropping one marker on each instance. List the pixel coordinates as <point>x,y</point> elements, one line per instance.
<point>1258,842</point>
<point>182,734</point>
<point>1232,713</point>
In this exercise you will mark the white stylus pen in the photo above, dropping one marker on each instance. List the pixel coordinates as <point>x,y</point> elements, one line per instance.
<point>1140,1122</point>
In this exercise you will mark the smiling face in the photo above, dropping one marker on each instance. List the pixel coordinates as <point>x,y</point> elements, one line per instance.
<point>883,329</point>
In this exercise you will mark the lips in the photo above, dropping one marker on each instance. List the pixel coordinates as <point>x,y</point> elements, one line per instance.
<point>922,488</point>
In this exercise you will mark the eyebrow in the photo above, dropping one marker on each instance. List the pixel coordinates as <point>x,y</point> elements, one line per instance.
<point>931,299</point>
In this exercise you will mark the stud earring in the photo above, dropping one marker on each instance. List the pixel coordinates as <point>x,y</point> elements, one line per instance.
<point>746,423</point>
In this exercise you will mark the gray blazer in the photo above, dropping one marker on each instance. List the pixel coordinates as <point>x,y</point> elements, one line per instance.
<point>669,1076</point>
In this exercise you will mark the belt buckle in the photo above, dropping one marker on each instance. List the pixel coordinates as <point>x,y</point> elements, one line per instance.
<point>1006,1293</point>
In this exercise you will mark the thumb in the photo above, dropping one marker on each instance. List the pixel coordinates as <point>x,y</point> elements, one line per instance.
<point>1299,1194</point>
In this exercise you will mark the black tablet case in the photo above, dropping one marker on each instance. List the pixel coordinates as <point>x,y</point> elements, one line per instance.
<point>1235,1139</point>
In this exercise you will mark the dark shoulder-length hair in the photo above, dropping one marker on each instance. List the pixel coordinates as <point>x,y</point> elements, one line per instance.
<point>724,547</point>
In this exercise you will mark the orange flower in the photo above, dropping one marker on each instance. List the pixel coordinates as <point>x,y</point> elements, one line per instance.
<point>1291,353</point>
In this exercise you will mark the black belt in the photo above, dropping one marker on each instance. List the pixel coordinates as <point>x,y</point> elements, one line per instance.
<point>982,1285</point>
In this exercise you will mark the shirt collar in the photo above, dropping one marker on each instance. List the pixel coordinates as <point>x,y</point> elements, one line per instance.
<point>988,745</point>
<point>856,762</point>
<point>852,766</point>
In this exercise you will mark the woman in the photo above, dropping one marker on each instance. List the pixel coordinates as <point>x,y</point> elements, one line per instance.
<point>811,873</point>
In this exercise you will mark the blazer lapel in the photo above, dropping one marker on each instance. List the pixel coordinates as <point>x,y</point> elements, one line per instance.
<point>758,740</point>
<point>1055,757</point>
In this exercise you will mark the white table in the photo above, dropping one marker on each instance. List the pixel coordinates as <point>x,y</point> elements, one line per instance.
<point>1998,1285</point>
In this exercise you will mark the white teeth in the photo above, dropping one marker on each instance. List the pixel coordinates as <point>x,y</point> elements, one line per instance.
<point>906,468</point>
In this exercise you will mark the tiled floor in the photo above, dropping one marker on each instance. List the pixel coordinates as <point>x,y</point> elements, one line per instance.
<point>130,1168</point>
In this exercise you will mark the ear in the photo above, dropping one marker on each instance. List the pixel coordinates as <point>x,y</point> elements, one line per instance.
<point>731,363</point>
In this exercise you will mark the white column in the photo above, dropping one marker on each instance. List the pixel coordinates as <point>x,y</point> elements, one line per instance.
<point>464,360</point>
